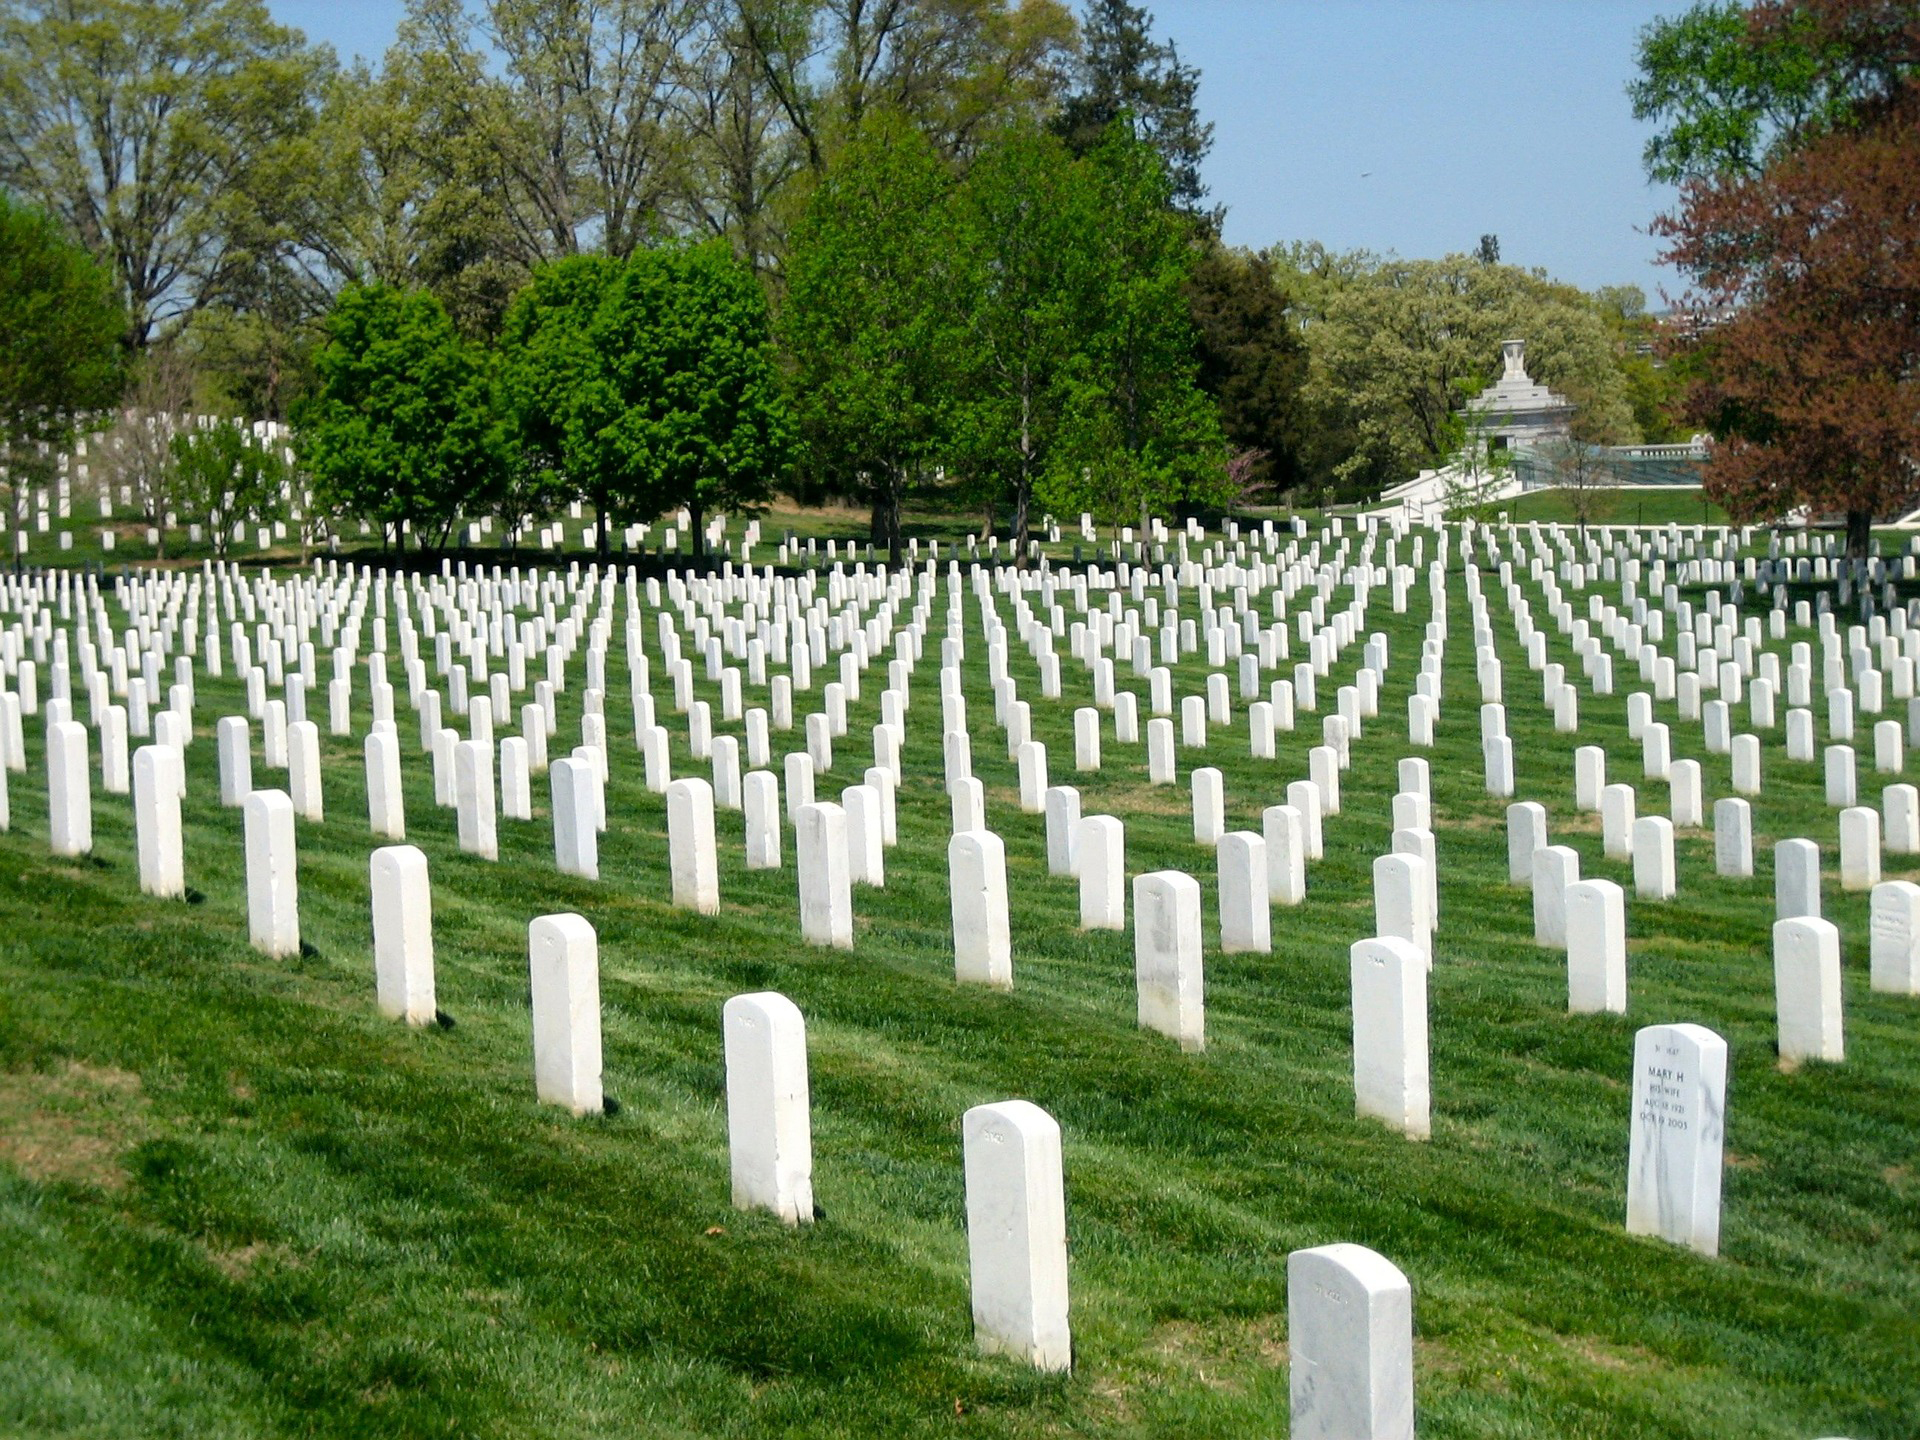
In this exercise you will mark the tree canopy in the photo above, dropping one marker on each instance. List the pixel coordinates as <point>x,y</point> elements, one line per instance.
<point>60,332</point>
<point>1804,345</point>
<point>1396,347</point>
<point>404,427</point>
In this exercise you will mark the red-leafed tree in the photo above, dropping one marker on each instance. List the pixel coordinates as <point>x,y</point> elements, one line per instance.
<point>1806,271</point>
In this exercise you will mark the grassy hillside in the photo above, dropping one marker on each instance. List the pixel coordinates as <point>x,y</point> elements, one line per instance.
<point>236,1202</point>
<point>1682,505</point>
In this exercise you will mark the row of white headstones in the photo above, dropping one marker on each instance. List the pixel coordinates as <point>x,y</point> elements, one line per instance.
<point>1167,904</point>
<point>1679,1092</point>
<point>567,1068</point>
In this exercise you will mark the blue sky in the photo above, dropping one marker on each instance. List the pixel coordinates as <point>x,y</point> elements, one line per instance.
<point>1413,126</point>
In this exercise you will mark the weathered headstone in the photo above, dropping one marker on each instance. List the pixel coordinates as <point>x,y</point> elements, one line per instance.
<point>1678,1131</point>
<point>1166,956</point>
<point>1796,879</point>
<point>769,1120</point>
<point>563,957</point>
<point>1349,1345</point>
<point>1017,1233</point>
<point>402,934</point>
<point>1894,931</point>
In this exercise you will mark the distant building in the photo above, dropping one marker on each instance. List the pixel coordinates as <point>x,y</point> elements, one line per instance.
<point>1515,413</point>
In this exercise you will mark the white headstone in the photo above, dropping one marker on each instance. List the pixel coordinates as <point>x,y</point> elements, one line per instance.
<point>1099,855</point>
<point>156,821</point>
<point>1017,1233</point>
<point>1806,988</point>
<point>563,956</point>
<point>1796,879</point>
<point>1166,956</point>
<point>1596,947</point>
<point>1349,1345</point>
<point>982,934</point>
<point>1678,1130</point>
<point>1390,1080</point>
<point>402,934</point>
<point>826,896</point>
<point>69,789</point>
<point>693,856</point>
<point>273,896</point>
<point>1894,930</point>
<point>769,1124</point>
<point>1246,910</point>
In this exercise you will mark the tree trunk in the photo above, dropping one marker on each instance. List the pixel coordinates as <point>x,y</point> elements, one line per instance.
<point>1023,487</point>
<point>1859,533</point>
<point>600,526</point>
<point>895,488</point>
<point>697,514</point>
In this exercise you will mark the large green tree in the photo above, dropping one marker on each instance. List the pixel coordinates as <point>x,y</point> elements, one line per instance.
<point>151,128</point>
<point>869,325</point>
<point>1732,86</point>
<point>60,352</point>
<point>1803,359</point>
<point>1253,362</point>
<point>700,419</point>
<point>1026,281</point>
<point>1143,437</point>
<point>404,425</point>
<point>559,393</point>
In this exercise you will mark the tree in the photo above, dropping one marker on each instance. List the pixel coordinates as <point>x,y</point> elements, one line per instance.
<point>1142,436</point>
<point>404,425</point>
<point>1126,77</point>
<point>1653,381</point>
<point>136,453</point>
<point>60,356</point>
<point>558,392</point>
<point>148,127</point>
<point>1811,382</point>
<point>699,418</point>
<point>868,325</point>
<point>1026,286</point>
<point>1253,362</point>
<point>566,109</point>
<point>225,478</point>
<point>1581,472</point>
<point>742,157</point>
<point>1798,235</point>
<point>954,70</point>
<point>1734,86</point>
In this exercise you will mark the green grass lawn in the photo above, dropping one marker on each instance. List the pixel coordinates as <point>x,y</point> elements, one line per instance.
<point>234,1201</point>
<point>1679,505</point>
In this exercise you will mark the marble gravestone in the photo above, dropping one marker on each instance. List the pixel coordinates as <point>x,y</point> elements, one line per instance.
<point>1678,1131</point>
